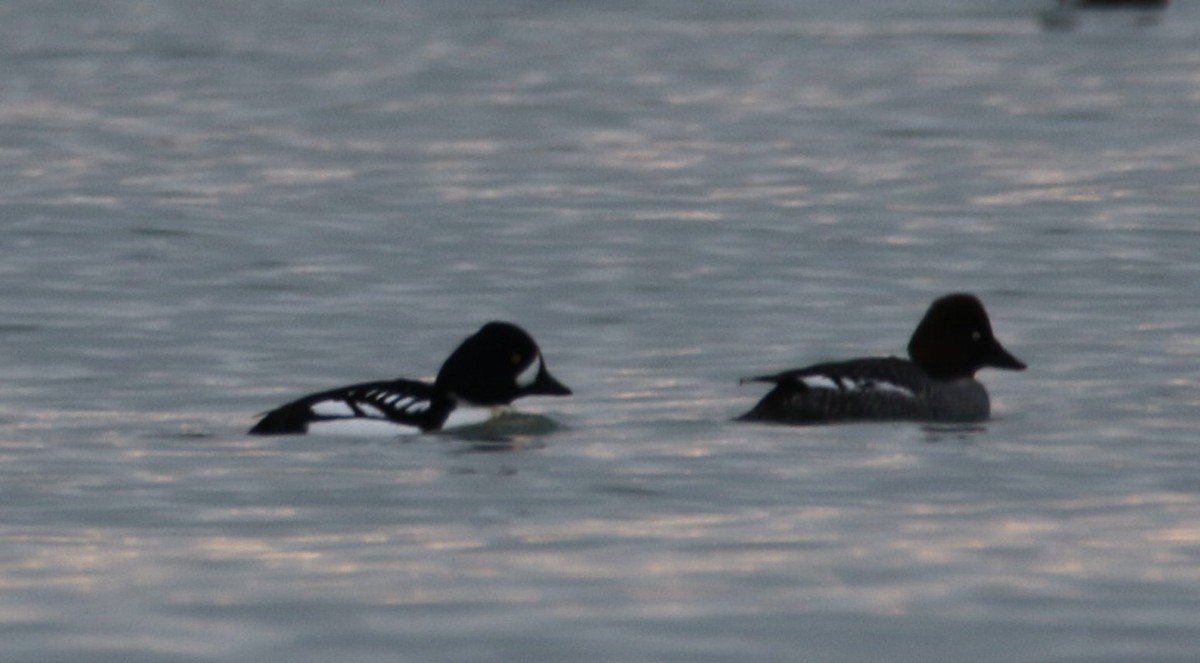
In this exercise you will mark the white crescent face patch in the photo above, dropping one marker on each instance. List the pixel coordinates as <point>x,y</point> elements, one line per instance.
<point>528,376</point>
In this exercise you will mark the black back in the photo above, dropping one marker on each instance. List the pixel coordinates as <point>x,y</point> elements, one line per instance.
<point>405,402</point>
<point>860,389</point>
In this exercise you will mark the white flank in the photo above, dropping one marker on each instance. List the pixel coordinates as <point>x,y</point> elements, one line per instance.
<point>530,374</point>
<point>332,409</point>
<point>360,427</point>
<point>468,416</point>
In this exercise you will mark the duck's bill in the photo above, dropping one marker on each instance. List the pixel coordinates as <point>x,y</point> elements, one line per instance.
<point>548,385</point>
<point>998,357</point>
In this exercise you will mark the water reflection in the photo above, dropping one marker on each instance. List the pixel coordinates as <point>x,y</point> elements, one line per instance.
<point>508,431</point>
<point>935,433</point>
<point>1069,15</point>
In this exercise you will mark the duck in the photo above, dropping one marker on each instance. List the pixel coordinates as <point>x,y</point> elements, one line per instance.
<point>952,342</point>
<point>490,369</point>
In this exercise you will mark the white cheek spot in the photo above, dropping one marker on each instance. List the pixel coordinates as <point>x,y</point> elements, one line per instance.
<point>529,375</point>
<point>332,409</point>
<point>360,427</point>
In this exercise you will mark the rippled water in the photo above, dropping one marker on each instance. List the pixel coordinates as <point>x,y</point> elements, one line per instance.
<point>210,208</point>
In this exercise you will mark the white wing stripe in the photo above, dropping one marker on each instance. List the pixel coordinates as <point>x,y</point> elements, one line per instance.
<point>371,411</point>
<point>332,409</point>
<point>892,388</point>
<point>846,384</point>
<point>819,382</point>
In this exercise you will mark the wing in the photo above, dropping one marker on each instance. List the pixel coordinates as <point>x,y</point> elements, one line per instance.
<point>861,389</point>
<point>389,405</point>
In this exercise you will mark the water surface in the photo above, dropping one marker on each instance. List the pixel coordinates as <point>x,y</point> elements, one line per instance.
<point>210,209</point>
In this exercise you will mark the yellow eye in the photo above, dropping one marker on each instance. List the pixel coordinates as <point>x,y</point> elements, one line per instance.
<point>516,359</point>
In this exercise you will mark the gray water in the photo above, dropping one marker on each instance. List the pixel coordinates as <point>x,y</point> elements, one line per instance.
<point>208,209</point>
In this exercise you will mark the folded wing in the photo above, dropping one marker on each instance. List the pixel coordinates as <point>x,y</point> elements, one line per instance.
<point>396,403</point>
<point>875,388</point>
